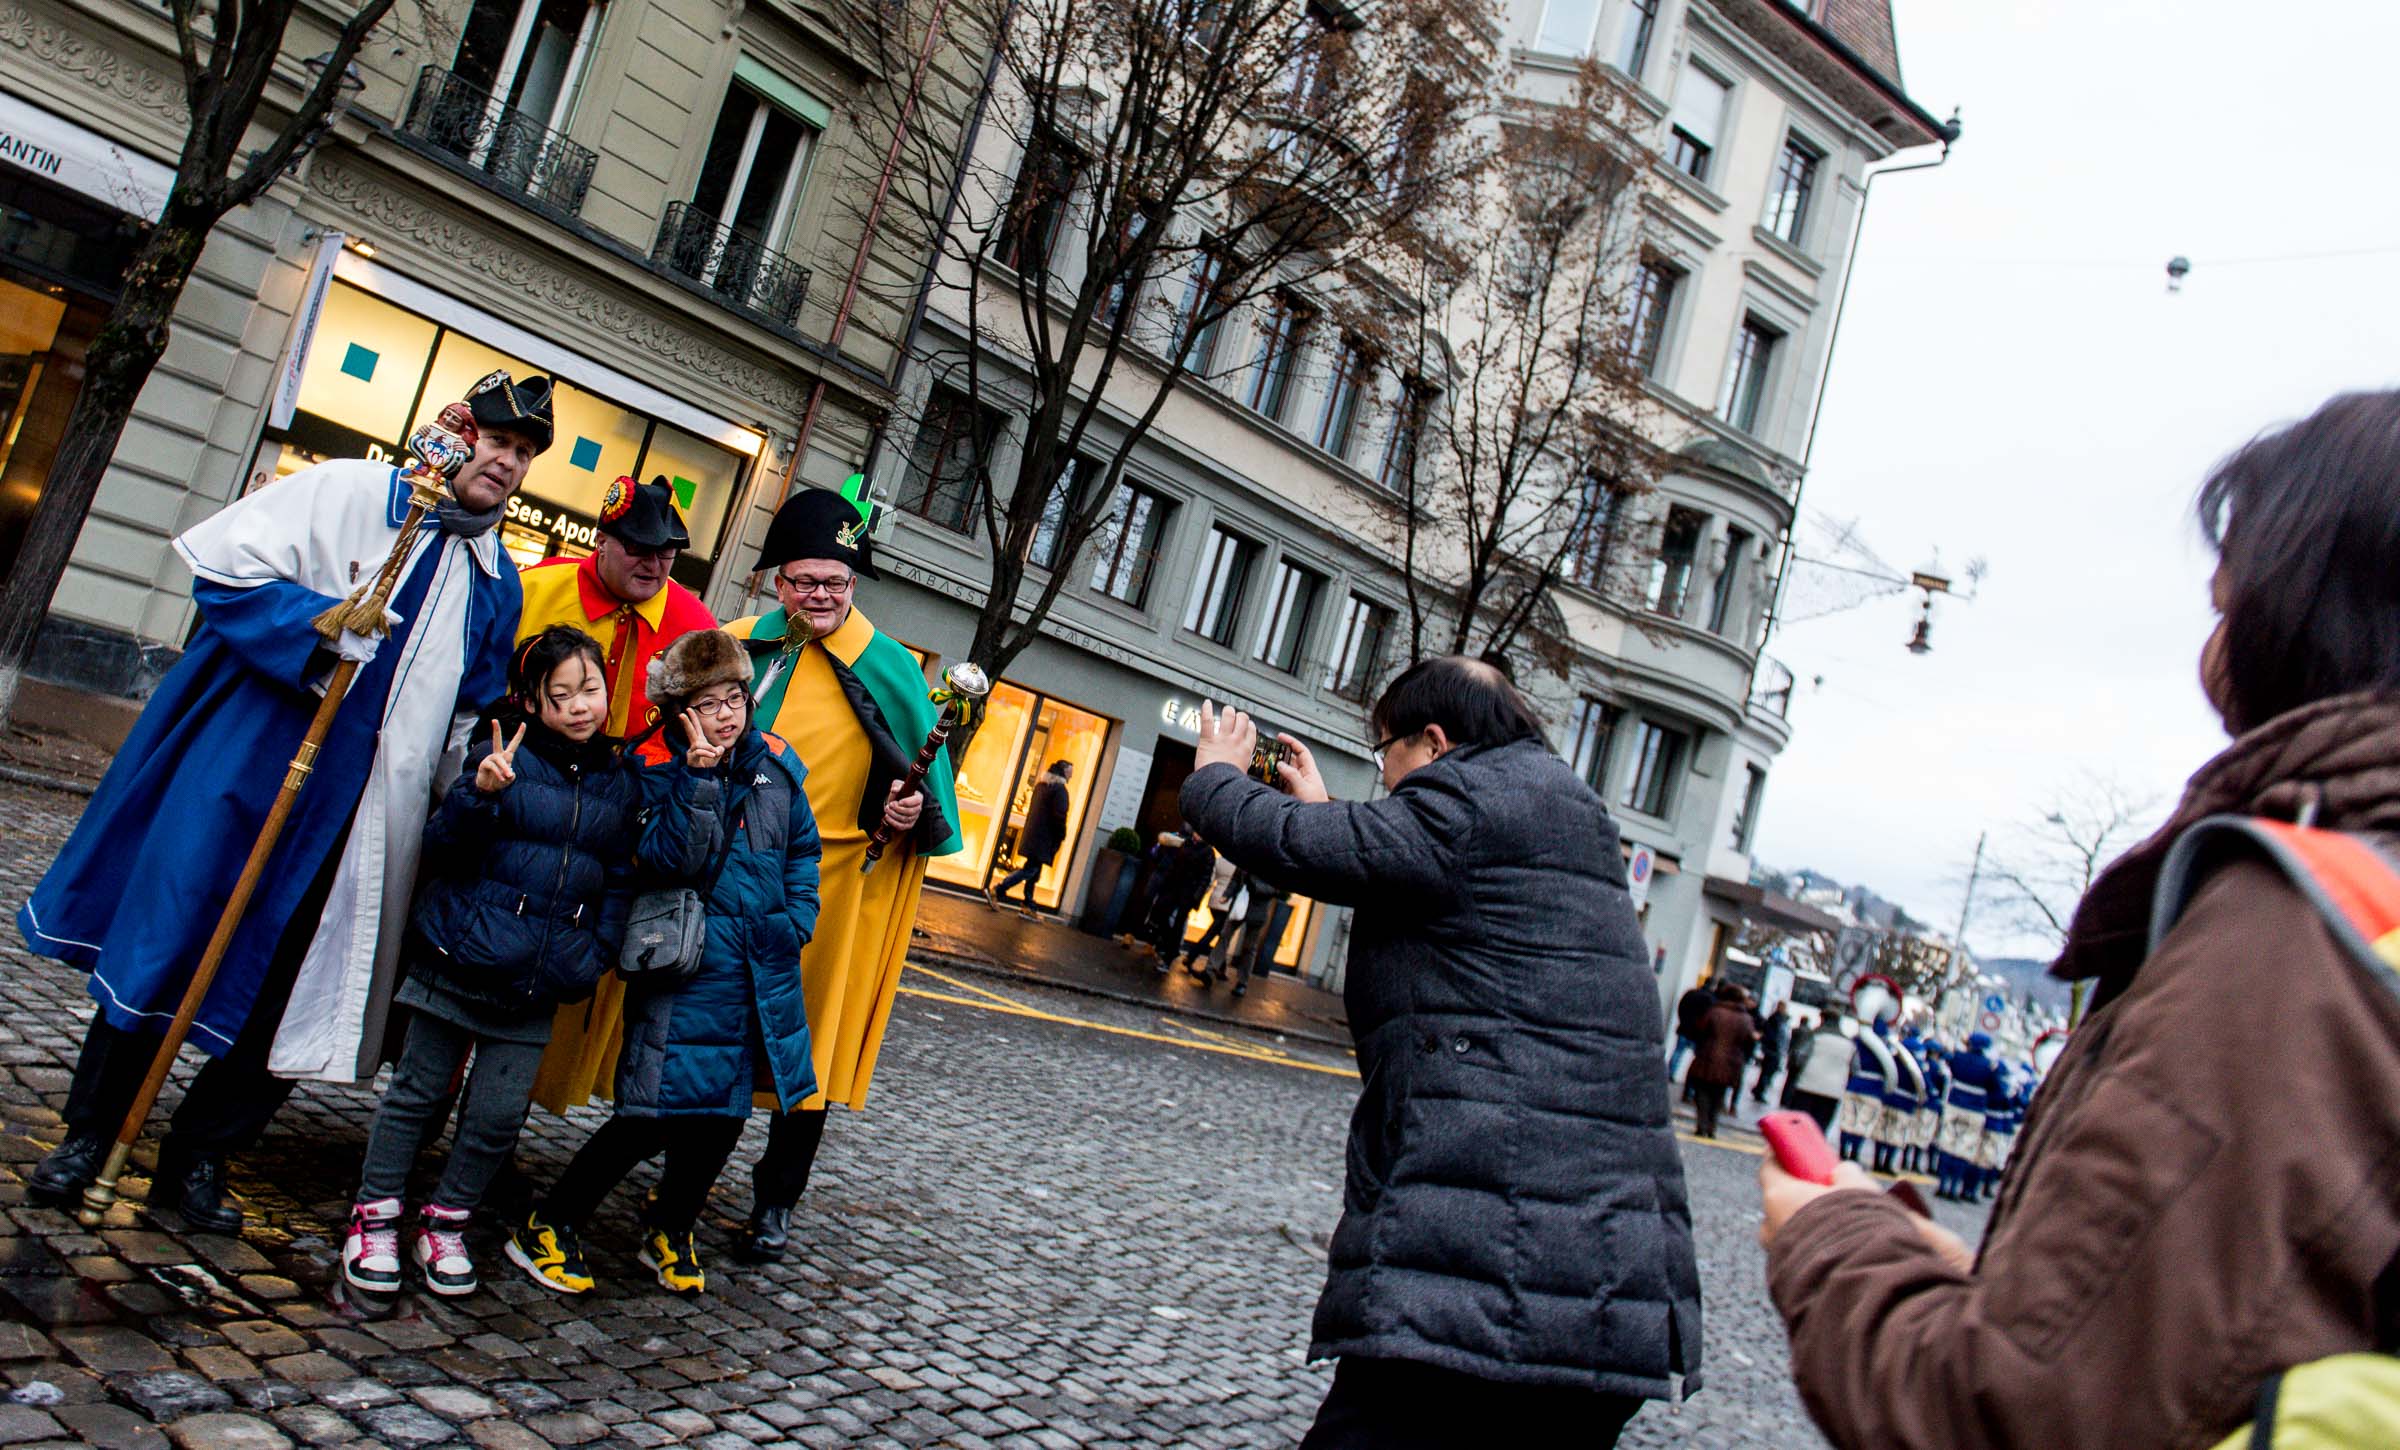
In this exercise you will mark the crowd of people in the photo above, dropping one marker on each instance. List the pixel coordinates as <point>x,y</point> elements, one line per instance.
<point>643,880</point>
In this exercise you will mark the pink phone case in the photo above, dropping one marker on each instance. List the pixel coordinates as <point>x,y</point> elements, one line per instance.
<point>1799,1145</point>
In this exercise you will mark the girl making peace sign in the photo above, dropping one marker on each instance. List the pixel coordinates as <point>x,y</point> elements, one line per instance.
<point>530,862</point>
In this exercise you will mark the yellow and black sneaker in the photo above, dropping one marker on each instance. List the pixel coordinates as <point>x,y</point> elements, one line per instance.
<point>677,1261</point>
<point>551,1253</point>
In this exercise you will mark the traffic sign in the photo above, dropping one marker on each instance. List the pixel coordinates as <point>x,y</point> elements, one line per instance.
<point>1991,1021</point>
<point>1639,868</point>
<point>1995,1003</point>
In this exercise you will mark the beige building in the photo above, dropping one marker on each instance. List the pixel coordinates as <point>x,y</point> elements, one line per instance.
<point>654,201</point>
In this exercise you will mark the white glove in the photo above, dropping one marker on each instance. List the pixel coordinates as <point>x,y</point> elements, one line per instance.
<point>360,648</point>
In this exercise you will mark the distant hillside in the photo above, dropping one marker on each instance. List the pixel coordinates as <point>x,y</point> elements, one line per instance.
<point>2028,974</point>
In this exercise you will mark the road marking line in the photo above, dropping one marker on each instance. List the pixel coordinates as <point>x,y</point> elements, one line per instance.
<point>1003,1006</point>
<point>1272,1054</point>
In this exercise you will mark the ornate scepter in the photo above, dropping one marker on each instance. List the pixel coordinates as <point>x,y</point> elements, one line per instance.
<point>962,684</point>
<point>440,448</point>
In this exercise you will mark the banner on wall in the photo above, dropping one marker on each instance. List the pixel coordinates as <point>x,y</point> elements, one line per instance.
<point>304,330</point>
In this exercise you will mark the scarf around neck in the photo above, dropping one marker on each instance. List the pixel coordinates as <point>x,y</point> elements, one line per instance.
<point>455,518</point>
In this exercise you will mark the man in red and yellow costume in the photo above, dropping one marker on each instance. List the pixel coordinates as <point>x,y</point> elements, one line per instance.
<point>620,594</point>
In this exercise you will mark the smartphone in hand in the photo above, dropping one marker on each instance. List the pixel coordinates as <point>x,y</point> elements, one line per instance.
<point>1799,1146</point>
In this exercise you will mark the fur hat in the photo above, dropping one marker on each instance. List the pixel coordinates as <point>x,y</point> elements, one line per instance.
<point>694,662</point>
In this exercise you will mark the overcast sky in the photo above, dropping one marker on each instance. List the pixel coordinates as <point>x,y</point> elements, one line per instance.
<point>2013,381</point>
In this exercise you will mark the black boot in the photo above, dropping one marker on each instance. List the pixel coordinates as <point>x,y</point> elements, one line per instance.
<point>68,1169</point>
<point>195,1185</point>
<point>769,1234</point>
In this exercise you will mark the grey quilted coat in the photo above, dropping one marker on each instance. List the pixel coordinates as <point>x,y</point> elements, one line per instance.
<point>1514,1205</point>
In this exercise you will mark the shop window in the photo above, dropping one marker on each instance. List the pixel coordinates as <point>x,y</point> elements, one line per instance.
<point>44,331</point>
<point>1659,752</point>
<point>1023,734</point>
<point>946,464</point>
<point>1291,603</point>
<point>1358,649</point>
<point>1225,566</point>
<point>376,371</point>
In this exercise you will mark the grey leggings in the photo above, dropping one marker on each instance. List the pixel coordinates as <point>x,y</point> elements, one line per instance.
<point>490,1114</point>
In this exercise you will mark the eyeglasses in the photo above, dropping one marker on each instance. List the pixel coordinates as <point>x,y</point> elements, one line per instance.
<point>720,707</point>
<point>836,588</point>
<point>635,551</point>
<point>1381,746</point>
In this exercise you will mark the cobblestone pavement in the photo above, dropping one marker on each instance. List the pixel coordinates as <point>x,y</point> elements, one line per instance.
<point>1061,1221</point>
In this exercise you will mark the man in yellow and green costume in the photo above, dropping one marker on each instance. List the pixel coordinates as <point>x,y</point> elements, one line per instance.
<point>853,703</point>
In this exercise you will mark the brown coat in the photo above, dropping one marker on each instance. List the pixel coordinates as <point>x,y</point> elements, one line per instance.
<point>1724,1041</point>
<point>2204,1190</point>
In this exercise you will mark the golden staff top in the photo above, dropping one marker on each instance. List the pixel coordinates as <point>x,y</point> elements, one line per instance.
<point>441,447</point>
<point>962,685</point>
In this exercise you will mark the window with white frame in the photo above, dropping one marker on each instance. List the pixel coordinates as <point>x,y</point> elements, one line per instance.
<point>1658,756</point>
<point>1407,436</point>
<point>1050,534</point>
<point>1588,744</point>
<point>1655,283</point>
<point>751,175</point>
<point>1128,285</point>
<point>1225,565</point>
<point>1794,186</point>
<point>1567,27</point>
<point>528,55</point>
<point>1745,821</point>
<point>1291,603</point>
<point>1125,546</point>
<point>1201,314</point>
<point>1282,325</point>
<point>1746,381</point>
<point>1678,551</point>
<point>1720,599</point>
<point>1696,128</point>
<point>1037,209</point>
<point>1633,41</point>
<point>946,463</point>
<point>1352,370</point>
<point>1358,648</point>
<point>1594,535</point>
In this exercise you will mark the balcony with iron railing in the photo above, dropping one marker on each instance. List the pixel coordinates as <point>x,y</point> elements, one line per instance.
<point>504,147</point>
<point>740,270</point>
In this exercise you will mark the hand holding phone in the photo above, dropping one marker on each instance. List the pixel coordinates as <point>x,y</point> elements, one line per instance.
<point>1799,1146</point>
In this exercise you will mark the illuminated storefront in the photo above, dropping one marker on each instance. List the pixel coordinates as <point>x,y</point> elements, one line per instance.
<point>377,369</point>
<point>1023,734</point>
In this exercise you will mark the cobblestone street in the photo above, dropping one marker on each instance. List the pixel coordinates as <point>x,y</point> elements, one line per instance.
<point>1061,1221</point>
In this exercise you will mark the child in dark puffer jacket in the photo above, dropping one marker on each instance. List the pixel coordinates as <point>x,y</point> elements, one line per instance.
<point>530,858</point>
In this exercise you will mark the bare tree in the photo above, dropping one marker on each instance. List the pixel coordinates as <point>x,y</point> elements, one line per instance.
<point>228,52</point>
<point>1523,437</point>
<point>2048,863</point>
<point>1175,164</point>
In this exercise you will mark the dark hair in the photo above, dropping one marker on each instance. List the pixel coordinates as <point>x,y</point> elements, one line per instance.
<point>1472,702</point>
<point>539,656</point>
<point>2306,524</point>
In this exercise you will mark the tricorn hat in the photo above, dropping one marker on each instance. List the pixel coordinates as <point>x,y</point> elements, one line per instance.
<point>819,523</point>
<point>695,661</point>
<point>643,514</point>
<point>524,407</point>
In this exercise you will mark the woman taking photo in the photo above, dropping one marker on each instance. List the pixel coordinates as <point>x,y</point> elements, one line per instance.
<point>2202,1196</point>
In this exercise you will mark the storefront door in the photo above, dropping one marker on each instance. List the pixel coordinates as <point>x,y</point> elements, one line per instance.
<point>1023,735</point>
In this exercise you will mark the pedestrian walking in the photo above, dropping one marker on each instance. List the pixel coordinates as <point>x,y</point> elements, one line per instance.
<point>1820,1071</point>
<point>304,989</point>
<point>1774,1040</point>
<point>530,868</point>
<point>1179,893</point>
<point>1228,904</point>
<point>1689,1009</point>
<point>1724,1040</point>
<point>1045,830</point>
<point>725,810</point>
<point>2199,1208</point>
<point>1515,1246</point>
<point>1262,932</point>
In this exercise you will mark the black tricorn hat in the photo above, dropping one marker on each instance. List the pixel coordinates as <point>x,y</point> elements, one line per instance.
<point>525,407</point>
<point>643,514</point>
<point>819,523</point>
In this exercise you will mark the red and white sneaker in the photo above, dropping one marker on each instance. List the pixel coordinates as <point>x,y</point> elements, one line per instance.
<point>371,1252</point>
<point>442,1250</point>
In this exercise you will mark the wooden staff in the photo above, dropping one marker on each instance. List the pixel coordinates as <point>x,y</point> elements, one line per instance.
<point>962,684</point>
<point>440,447</point>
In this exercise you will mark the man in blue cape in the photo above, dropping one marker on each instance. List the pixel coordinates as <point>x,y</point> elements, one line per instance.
<point>304,990</point>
